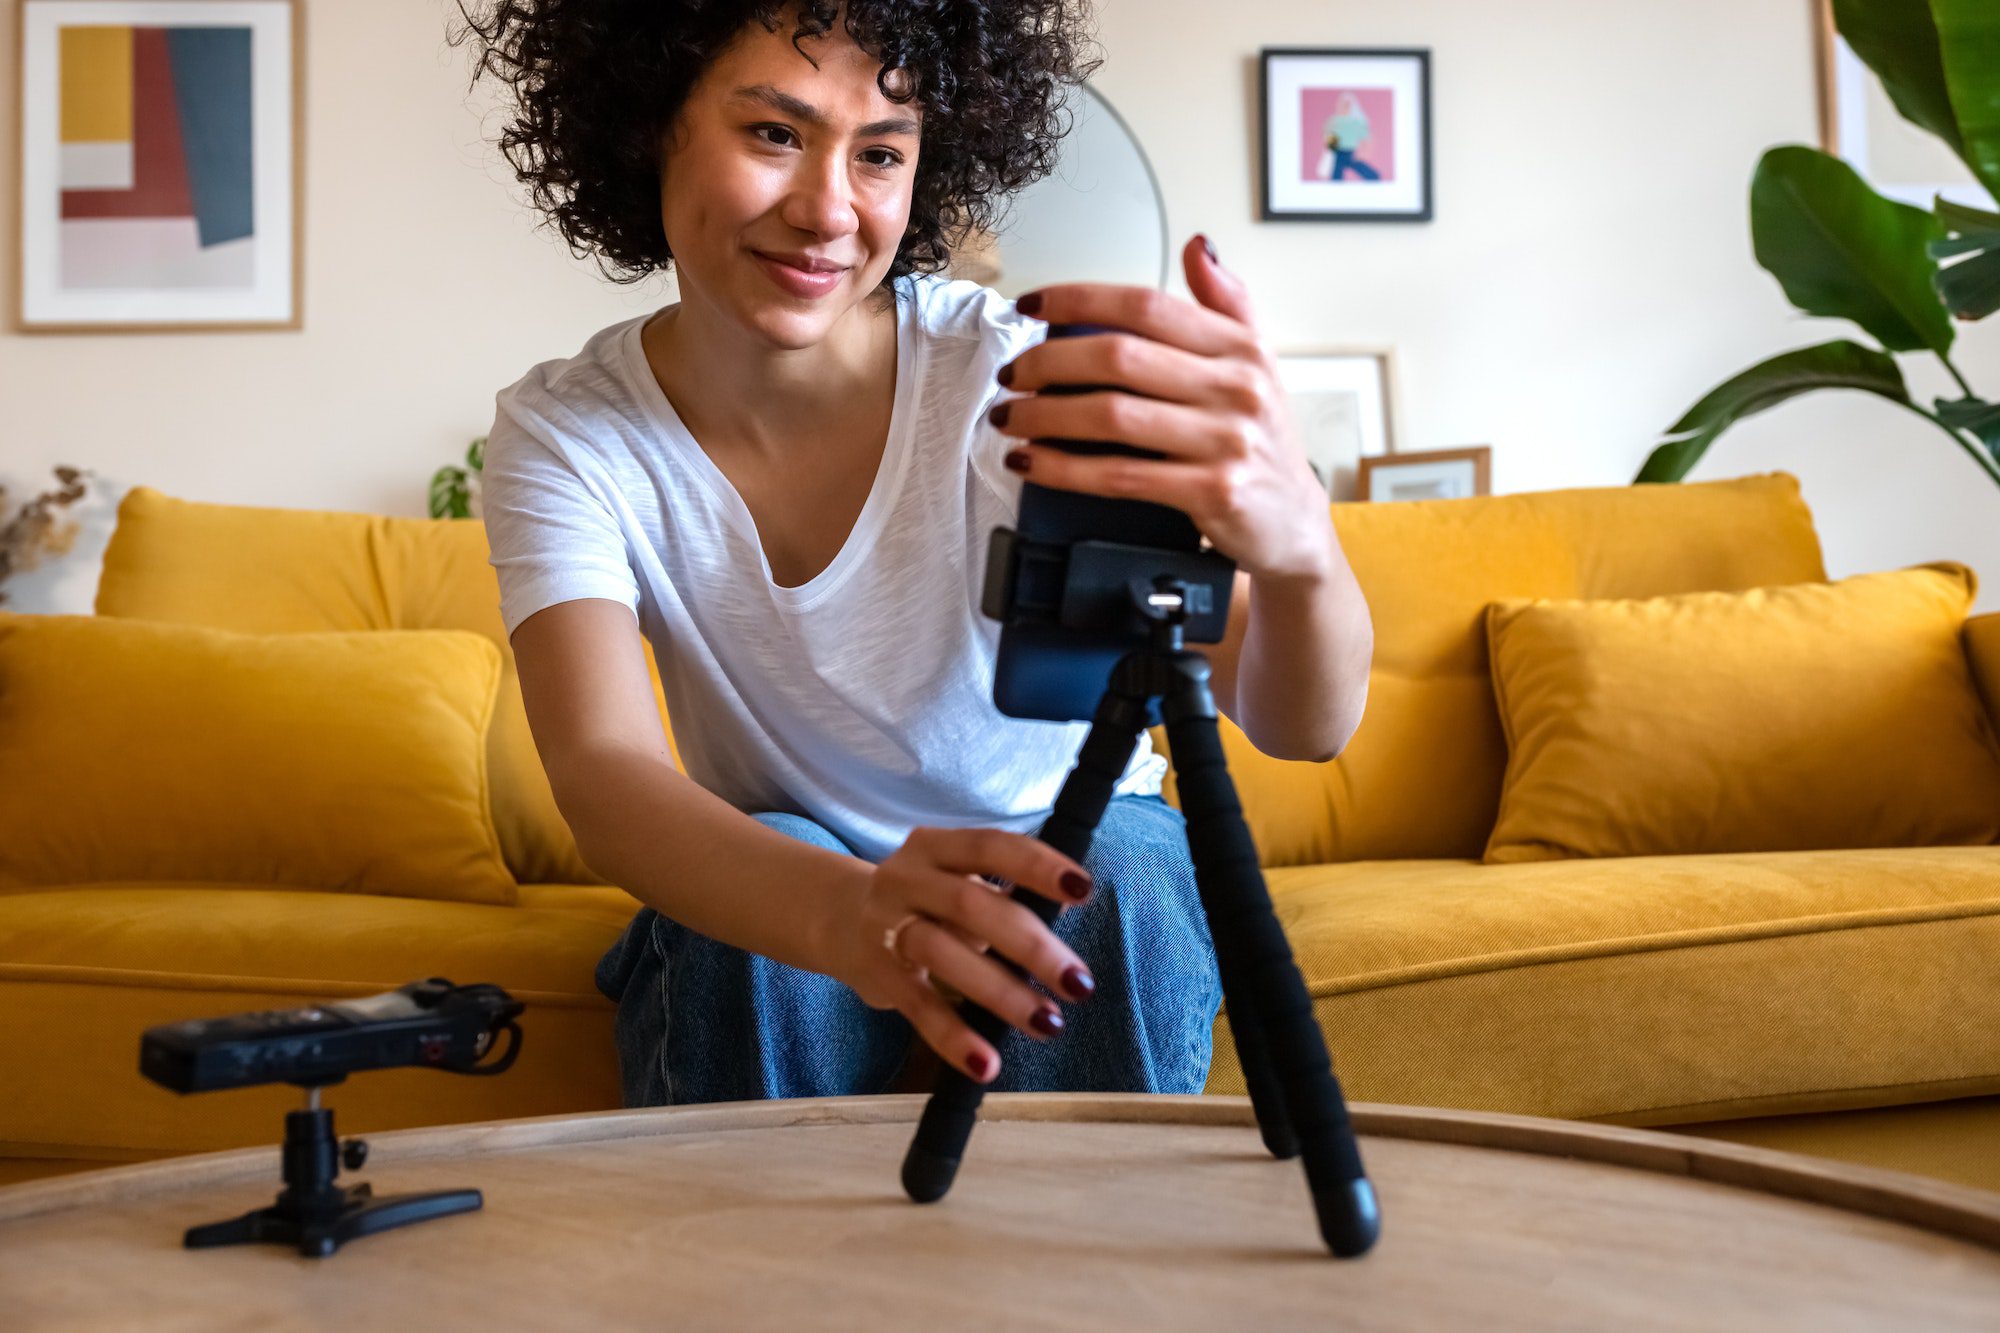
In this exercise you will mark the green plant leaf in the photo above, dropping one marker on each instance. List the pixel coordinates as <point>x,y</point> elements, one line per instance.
<point>1969,37</point>
<point>450,496</point>
<point>475,455</point>
<point>1971,414</point>
<point>1970,288</point>
<point>1834,365</point>
<point>1898,39</point>
<point>1841,250</point>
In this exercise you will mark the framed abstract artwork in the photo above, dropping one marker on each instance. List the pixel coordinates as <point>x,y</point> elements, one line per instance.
<point>1343,401</point>
<point>1344,134</point>
<point>1860,125</point>
<point>159,165</point>
<point>1428,474</point>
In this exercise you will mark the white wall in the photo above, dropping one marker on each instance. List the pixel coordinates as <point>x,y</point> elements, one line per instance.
<point>1588,277</point>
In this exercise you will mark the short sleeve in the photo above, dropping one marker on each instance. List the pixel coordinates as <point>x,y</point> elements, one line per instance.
<point>1004,333</point>
<point>550,538</point>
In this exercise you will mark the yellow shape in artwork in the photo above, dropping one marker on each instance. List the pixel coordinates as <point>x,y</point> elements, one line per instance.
<point>96,62</point>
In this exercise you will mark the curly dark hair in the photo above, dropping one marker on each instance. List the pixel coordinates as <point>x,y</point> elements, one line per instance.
<point>597,83</point>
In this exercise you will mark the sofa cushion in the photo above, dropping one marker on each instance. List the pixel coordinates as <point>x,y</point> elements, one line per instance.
<point>1804,715</point>
<point>1982,650</point>
<point>1421,776</point>
<point>270,570</point>
<point>348,762</point>
<point>1653,990</point>
<point>85,970</point>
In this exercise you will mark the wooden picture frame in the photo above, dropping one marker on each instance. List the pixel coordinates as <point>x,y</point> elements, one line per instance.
<point>1442,474</point>
<point>1384,93</point>
<point>163,191</point>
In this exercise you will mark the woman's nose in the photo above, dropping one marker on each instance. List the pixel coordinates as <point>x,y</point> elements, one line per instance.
<point>822,198</point>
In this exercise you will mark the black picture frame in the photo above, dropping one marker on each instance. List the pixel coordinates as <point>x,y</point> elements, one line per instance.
<point>1268,209</point>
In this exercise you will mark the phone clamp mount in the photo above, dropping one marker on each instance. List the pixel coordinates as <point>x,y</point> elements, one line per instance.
<point>1162,598</point>
<point>431,1023</point>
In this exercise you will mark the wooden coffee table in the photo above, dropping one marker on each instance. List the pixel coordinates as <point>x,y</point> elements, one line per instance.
<point>1072,1211</point>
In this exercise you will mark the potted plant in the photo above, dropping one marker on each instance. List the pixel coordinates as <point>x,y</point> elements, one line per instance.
<point>1840,249</point>
<point>455,490</point>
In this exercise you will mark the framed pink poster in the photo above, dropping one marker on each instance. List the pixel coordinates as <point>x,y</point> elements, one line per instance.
<point>1345,134</point>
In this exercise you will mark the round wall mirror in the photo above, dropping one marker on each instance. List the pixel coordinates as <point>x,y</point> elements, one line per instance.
<point>1098,217</point>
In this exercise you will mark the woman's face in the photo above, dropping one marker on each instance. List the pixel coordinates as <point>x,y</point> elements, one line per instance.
<point>773,159</point>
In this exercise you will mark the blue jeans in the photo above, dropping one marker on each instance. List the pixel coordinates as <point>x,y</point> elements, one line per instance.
<point>1344,161</point>
<point>703,1021</point>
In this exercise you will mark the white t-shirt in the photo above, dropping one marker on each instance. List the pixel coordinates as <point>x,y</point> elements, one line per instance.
<point>862,699</point>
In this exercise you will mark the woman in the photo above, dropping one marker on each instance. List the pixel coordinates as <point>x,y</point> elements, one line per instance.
<point>1346,130</point>
<point>785,482</point>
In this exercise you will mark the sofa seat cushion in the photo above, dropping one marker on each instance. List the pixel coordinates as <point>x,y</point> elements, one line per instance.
<point>602,901</point>
<point>84,969</point>
<point>1652,990</point>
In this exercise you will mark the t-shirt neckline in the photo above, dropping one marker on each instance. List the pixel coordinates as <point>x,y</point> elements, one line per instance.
<point>881,495</point>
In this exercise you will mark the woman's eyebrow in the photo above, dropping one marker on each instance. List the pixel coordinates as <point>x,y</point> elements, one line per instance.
<point>813,116</point>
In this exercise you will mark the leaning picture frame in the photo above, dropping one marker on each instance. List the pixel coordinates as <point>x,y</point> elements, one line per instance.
<point>1344,134</point>
<point>1428,474</point>
<point>159,165</point>
<point>1343,401</point>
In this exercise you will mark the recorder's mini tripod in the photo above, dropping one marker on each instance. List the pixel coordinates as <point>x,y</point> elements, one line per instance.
<point>1299,1107</point>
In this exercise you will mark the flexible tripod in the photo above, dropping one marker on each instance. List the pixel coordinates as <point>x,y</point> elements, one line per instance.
<point>1299,1107</point>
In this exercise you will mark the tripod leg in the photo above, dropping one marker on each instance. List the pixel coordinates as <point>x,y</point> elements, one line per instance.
<point>366,1218</point>
<point>946,1124</point>
<point>1256,964</point>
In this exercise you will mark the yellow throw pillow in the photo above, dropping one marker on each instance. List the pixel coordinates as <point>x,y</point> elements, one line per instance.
<point>1804,715</point>
<point>139,750</point>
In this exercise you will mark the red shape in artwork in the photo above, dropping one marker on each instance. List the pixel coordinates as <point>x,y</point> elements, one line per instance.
<point>159,161</point>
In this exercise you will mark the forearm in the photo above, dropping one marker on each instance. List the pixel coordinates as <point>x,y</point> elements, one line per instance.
<point>698,860</point>
<point>1302,679</point>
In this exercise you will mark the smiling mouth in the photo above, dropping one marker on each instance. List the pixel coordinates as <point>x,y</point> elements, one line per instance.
<point>809,272</point>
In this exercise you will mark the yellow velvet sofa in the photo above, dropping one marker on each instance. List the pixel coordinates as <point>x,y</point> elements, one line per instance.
<point>1839,1002</point>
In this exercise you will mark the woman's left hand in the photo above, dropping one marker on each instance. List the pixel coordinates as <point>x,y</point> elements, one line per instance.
<point>1203,392</point>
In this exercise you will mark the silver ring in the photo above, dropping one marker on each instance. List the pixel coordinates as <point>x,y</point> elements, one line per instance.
<point>892,937</point>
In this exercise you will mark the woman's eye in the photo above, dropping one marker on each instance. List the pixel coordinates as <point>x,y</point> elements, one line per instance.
<point>885,157</point>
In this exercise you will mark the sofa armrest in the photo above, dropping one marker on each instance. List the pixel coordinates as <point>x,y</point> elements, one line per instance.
<point>1982,649</point>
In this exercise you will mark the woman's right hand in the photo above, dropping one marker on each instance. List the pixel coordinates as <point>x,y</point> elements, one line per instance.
<point>937,872</point>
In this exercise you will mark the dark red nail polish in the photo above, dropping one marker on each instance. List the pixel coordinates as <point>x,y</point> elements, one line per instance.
<point>1016,459</point>
<point>1078,983</point>
<point>981,1063</point>
<point>1209,246</point>
<point>1029,304</point>
<point>1046,1021</point>
<point>998,416</point>
<point>1006,375</point>
<point>1076,885</point>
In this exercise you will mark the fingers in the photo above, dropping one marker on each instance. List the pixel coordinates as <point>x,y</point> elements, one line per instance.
<point>1013,857</point>
<point>945,1032</point>
<point>940,951</point>
<point>1143,310</point>
<point>1176,430</point>
<point>1135,363</point>
<point>986,912</point>
<point>960,881</point>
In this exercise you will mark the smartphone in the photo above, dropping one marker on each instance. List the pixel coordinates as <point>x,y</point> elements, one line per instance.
<point>1050,672</point>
